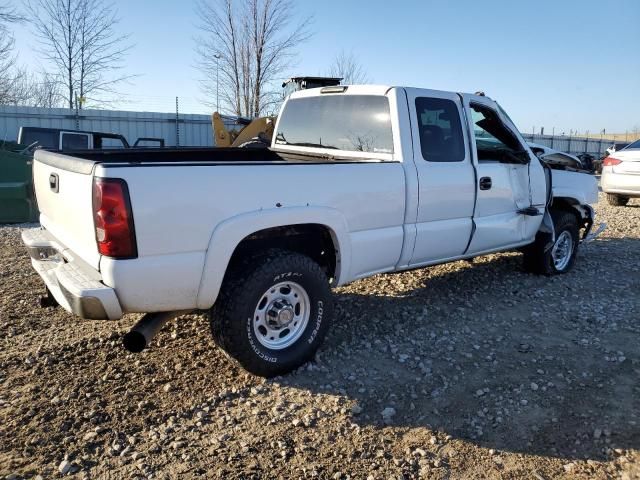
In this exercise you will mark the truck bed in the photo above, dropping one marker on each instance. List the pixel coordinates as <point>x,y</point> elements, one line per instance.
<point>83,161</point>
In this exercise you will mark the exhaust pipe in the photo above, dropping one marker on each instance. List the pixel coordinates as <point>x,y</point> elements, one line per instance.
<point>139,337</point>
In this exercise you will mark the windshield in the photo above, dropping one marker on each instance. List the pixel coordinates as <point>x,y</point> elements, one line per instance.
<point>355,123</point>
<point>633,146</point>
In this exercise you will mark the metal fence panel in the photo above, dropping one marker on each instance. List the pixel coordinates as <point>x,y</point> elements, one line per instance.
<point>193,129</point>
<point>573,145</point>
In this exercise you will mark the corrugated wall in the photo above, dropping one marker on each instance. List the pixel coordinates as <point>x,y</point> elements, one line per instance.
<point>194,130</point>
<point>573,145</point>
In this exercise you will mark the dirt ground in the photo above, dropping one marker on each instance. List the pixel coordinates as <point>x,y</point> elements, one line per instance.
<point>457,371</point>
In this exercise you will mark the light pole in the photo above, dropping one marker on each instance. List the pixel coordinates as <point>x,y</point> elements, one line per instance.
<point>217,57</point>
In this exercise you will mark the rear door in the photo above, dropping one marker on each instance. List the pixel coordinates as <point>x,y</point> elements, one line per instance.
<point>64,191</point>
<point>502,186</point>
<point>446,180</point>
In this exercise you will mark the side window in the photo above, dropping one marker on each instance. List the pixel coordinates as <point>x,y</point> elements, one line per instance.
<point>441,138</point>
<point>75,141</point>
<point>494,141</point>
<point>110,143</point>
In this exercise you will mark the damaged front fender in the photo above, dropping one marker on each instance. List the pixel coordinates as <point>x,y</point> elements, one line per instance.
<point>588,235</point>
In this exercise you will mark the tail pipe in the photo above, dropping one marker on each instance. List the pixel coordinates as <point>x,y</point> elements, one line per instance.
<point>139,337</point>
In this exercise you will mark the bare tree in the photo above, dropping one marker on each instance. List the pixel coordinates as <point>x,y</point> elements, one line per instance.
<point>245,45</point>
<point>7,62</point>
<point>8,75</point>
<point>84,50</point>
<point>36,90</point>
<point>347,66</point>
<point>45,92</point>
<point>9,14</point>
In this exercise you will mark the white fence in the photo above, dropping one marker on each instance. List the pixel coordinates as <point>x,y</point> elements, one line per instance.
<point>181,129</point>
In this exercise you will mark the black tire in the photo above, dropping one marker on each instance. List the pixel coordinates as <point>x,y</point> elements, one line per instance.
<point>537,260</point>
<point>246,287</point>
<point>617,200</point>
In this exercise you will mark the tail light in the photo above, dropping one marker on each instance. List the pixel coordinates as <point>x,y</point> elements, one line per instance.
<point>113,219</point>
<point>610,162</point>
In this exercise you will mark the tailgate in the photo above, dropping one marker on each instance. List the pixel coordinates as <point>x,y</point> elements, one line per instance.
<point>64,191</point>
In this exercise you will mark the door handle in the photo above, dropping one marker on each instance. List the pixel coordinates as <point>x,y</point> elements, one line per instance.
<point>485,183</point>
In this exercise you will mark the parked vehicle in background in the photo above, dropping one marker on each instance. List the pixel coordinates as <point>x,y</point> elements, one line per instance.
<point>556,157</point>
<point>621,175</point>
<point>587,161</point>
<point>17,202</point>
<point>358,181</point>
<point>60,139</point>
<point>597,164</point>
<point>615,147</point>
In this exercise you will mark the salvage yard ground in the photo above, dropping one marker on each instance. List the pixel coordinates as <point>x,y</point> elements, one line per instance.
<point>457,371</point>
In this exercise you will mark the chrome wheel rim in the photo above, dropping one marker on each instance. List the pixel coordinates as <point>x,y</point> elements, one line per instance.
<point>281,315</point>
<point>562,250</point>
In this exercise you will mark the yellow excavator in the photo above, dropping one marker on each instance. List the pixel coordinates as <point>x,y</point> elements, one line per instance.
<point>257,133</point>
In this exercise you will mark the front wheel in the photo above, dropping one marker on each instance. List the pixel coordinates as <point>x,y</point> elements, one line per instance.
<point>273,312</point>
<point>538,258</point>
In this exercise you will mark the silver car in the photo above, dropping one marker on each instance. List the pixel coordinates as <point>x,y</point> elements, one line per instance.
<point>621,175</point>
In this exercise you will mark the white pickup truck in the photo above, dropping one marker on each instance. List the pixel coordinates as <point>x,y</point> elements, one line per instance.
<point>359,180</point>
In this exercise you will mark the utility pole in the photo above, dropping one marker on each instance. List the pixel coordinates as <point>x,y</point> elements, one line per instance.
<point>77,114</point>
<point>217,57</point>
<point>177,124</point>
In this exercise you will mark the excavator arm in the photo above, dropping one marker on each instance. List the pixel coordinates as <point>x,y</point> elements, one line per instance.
<point>258,130</point>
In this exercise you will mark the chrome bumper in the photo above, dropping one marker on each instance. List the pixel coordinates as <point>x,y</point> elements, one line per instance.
<point>591,236</point>
<point>76,286</point>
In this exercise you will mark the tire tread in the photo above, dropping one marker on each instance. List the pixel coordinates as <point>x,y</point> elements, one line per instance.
<point>536,260</point>
<point>617,200</point>
<point>238,288</point>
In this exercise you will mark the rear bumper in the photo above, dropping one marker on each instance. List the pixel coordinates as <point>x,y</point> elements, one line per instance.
<point>75,285</point>
<point>621,183</point>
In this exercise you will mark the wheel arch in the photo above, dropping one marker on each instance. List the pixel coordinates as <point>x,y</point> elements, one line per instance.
<point>266,226</point>
<point>584,212</point>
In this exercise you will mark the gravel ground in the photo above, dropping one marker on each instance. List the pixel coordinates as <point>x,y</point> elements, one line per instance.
<point>457,371</point>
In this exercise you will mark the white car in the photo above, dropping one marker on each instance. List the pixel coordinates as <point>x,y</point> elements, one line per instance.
<point>359,180</point>
<point>555,157</point>
<point>621,175</point>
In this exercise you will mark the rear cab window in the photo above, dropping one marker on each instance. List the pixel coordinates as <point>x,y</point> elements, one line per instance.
<point>108,143</point>
<point>42,138</point>
<point>75,141</point>
<point>348,123</point>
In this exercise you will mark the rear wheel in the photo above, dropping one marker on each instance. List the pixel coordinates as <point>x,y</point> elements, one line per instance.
<point>562,255</point>
<point>273,312</point>
<point>617,200</point>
